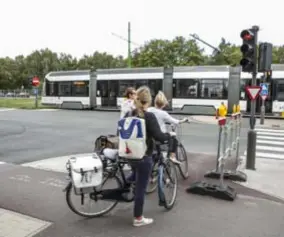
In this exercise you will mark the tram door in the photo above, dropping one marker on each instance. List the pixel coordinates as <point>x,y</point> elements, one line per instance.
<point>109,92</point>
<point>155,86</point>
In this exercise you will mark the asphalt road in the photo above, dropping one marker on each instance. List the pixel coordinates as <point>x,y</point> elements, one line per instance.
<point>33,135</point>
<point>29,135</point>
<point>38,193</point>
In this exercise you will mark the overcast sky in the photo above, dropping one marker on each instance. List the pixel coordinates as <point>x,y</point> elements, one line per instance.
<point>82,27</point>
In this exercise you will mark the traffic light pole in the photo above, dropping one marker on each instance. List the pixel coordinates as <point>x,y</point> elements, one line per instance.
<point>251,142</point>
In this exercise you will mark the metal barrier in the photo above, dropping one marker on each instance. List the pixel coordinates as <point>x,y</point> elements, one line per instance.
<point>228,143</point>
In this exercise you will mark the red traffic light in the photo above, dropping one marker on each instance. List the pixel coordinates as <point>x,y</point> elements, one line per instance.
<point>247,35</point>
<point>35,81</point>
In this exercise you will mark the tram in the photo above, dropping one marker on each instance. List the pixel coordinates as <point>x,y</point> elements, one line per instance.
<point>199,85</point>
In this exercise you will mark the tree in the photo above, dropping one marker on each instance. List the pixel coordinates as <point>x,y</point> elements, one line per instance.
<point>230,54</point>
<point>278,54</point>
<point>178,52</point>
<point>14,73</point>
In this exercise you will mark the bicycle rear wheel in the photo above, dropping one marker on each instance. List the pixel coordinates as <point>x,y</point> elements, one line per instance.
<point>167,179</point>
<point>182,157</point>
<point>76,205</point>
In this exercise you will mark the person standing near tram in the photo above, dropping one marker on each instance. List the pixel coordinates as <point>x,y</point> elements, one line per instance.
<point>128,104</point>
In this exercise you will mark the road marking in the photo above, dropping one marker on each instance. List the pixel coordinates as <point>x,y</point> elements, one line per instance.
<point>270,148</point>
<point>269,130</point>
<point>47,110</point>
<point>270,142</point>
<point>57,164</point>
<point>271,134</point>
<point>6,109</point>
<point>271,138</point>
<point>2,163</point>
<point>14,224</point>
<point>269,155</point>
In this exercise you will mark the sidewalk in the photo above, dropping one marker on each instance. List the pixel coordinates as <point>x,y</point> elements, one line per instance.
<point>204,119</point>
<point>267,178</point>
<point>38,193</point>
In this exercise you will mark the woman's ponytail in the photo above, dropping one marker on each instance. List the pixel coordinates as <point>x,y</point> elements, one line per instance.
<point>143,98</point>
<point>139,107</point>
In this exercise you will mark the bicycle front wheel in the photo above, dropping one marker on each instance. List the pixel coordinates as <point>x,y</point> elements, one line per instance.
<point>84,204</point>
<point>167,184</point>
<point>182,157</point>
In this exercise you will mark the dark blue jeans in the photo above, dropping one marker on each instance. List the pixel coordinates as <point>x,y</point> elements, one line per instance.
<point>141,171</point>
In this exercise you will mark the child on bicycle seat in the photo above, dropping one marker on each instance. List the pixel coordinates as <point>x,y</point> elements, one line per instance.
<point>163,117</point>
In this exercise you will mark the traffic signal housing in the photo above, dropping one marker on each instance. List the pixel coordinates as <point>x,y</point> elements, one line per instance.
<point>248,49</point>
<point>30,81</point>
<point>265,57</point>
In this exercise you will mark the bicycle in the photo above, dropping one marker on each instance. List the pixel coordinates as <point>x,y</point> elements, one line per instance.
<point>124,191</point>
<point>181,158</point>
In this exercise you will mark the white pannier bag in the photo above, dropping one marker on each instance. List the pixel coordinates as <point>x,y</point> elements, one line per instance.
<point>86,172</point>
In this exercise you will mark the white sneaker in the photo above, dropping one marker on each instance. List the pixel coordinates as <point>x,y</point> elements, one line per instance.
<point>142,221</point>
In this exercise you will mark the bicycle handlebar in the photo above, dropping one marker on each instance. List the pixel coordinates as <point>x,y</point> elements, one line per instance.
<point>174,126</point>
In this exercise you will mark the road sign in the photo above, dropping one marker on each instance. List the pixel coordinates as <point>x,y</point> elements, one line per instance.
<point>264,97</point>
<point>35,90</point>
<point>264,89</point>
<point>253,91</point>
<point>35,81</point>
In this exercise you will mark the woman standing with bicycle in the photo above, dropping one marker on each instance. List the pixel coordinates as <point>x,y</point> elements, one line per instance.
<point>143,168</point>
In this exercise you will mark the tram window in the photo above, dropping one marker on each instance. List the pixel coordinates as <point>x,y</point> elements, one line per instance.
<point>139,83</point>
<point>113,88</point>
<point>102,87</point>
<point>123,85</point>
<point>48,88</point>
<point>212,89</point>
<point>80,88</point>
<point>186,88</point>
<point>64,88</point>
<point>225,89</point>
<point>244,83</point>
<point>280,92</point>
<point>155,86</point>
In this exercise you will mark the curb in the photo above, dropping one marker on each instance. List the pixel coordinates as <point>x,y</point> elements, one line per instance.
<point>192,114</point>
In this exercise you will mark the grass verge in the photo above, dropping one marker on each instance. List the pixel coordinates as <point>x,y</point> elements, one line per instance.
<point>21,103</point>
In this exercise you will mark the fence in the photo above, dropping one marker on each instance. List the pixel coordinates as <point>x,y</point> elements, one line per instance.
<point>228,143</point>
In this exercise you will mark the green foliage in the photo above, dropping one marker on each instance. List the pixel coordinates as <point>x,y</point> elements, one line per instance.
<point>179,51</point>
<point>20,103</point>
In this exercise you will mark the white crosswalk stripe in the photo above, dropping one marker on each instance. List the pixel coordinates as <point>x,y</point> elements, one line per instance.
<point>270,143</point>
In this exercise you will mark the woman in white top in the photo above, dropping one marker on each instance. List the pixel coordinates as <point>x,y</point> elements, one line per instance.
<point>128,104</point>
<point>163,116</point>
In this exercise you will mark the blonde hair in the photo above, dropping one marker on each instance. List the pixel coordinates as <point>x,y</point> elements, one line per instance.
<point>143,97</point>
<point>161,100</point>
